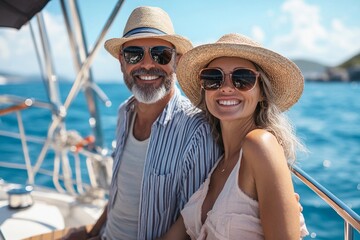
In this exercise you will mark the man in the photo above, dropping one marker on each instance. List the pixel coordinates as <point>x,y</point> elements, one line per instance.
<point>164,147</point>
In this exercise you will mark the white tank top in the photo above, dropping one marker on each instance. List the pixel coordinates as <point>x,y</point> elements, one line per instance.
<point>233,215</point>
<point>123,219</point>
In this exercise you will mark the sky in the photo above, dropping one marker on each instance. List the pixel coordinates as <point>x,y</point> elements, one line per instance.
<point>325,31</point>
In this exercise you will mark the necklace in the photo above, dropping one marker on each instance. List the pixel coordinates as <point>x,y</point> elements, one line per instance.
<point>224,168</point>
<point>230,160</point>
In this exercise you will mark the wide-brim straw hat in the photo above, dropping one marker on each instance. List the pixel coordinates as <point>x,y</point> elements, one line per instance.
<point>285,77</point>
<point>148,22</point>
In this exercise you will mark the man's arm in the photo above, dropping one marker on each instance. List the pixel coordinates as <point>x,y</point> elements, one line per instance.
<point>100,223</point>
<point>81,232</point>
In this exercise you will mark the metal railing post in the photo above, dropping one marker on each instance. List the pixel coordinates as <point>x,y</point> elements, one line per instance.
<point>348,231</point>
<point>351,219</point>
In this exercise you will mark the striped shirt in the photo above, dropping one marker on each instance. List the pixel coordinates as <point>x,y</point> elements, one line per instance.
<point>180,154</point>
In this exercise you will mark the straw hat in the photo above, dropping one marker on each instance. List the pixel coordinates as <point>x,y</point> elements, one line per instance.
<point>148,22</point>
<point>285,77</point>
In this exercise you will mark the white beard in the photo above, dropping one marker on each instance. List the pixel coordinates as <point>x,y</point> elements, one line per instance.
<point>149,97</point>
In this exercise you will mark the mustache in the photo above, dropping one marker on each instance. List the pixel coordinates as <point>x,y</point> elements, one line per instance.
<point>151,71</point>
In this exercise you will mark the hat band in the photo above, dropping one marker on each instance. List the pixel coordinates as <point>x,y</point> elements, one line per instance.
<point>143,30</point>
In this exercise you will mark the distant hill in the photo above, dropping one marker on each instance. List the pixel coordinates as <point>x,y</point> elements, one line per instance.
<point>352,62</point>
<point>346,72</point>
<point>308,66</point>
<point>311,66</point>
<point>6,77</point>
<point>353,67</point>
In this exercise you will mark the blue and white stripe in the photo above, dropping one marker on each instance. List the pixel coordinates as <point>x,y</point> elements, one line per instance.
<point>180,154</point>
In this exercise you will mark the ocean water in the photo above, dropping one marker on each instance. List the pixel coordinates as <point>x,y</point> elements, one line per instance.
<point>327,118</point>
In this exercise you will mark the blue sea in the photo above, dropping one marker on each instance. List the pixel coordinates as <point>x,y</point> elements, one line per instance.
<point>327,118</point>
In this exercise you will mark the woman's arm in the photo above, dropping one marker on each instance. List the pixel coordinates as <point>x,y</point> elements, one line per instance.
<point>279,212</point>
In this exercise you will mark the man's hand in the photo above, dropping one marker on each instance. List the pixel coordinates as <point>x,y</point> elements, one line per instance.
<point>79,233</point>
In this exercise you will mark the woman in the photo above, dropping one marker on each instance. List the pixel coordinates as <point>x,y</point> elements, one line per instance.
<point>243,88</point>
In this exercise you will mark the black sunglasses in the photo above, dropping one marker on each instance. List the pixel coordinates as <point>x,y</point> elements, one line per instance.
<point>160,54</point>
<point>243,79</point>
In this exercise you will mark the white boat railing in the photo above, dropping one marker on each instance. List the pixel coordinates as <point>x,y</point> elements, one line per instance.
<point>99,164</point>
<point>351,219</point>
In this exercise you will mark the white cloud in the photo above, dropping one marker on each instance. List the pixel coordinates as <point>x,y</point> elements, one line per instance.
<point>258,34</point>
<point>309,38</point>
<point>4,49</point>
<point>106,67</point>
<point>16,50</point>
<point>18,54</point>
<point>345,39</point>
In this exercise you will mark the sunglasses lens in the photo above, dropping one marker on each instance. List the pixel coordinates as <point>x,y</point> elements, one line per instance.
<point>161,54</point>
<point>133,54</point>
<point>244,79</point>
<point>211,79</point>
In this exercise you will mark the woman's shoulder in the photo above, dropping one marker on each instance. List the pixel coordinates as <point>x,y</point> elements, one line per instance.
<point>259,138</point>
<point>262,148</point>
